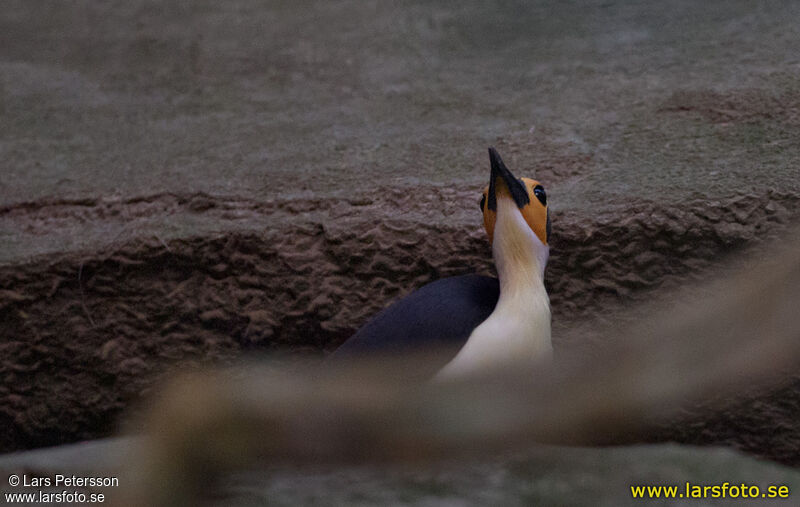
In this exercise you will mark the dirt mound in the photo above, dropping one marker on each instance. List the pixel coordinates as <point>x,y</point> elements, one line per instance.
<point>85,334</point>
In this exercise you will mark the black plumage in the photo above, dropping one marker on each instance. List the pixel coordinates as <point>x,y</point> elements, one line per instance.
<point>441,314</point>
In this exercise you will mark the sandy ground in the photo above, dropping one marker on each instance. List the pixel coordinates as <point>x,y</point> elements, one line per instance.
<point>191,184</point>
<point>538,476</point>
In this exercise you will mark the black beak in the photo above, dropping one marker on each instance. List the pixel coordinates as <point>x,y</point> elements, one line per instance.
<point>515,187</point>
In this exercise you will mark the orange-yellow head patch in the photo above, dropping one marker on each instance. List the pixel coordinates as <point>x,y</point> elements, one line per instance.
<point>528,194</point>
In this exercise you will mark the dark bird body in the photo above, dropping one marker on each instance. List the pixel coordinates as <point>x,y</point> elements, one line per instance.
<point>441,314</point>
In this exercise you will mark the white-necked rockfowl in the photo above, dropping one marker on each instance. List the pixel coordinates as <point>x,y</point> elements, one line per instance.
<point>488,322</point>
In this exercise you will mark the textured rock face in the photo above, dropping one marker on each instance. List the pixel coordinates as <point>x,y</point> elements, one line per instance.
<point>549,476</point>
<point>85,334</point>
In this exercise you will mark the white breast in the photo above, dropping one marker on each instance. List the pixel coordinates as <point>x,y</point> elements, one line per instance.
<point>518,331</point>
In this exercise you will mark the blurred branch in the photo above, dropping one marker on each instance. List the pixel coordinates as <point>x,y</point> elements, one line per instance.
<point>205,424</point>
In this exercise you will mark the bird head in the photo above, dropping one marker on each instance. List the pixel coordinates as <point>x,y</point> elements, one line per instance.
<point>528,195</point>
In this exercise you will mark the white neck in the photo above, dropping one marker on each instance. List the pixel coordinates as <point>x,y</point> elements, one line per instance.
<point>518,330</point>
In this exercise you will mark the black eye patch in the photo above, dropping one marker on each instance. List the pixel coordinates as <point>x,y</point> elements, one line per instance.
<point>540,194</point>
<point>483,202</point>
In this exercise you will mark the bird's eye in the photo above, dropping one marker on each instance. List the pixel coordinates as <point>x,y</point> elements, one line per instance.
<point>540,194</point>
<point>483,201</point>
